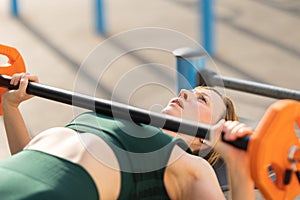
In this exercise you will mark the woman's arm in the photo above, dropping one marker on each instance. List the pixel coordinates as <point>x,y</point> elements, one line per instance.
<point>191,177</point>
<point>237,161</point>
<point>240,181</point>
<point>16,131</point>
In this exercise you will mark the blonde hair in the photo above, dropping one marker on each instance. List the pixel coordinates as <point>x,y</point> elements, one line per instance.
<point>230,114</point>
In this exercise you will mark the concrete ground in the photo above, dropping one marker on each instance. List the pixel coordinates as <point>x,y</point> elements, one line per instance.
<point>255,40</point>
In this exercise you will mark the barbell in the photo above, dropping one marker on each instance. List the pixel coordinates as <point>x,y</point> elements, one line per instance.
<point>273,146</point>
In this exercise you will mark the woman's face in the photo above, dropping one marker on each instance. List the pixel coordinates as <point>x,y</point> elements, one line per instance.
<point>199,104</point>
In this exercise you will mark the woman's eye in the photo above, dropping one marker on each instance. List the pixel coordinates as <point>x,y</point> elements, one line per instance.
<point>202,98</point>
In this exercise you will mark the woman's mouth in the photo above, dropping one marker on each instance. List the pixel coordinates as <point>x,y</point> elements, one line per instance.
<point>177,102</point>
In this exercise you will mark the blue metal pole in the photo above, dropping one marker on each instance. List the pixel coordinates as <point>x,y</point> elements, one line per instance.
<point>100,22</point>
<point>14,8</point>
<point>208,20</point>
<point>188,62</point>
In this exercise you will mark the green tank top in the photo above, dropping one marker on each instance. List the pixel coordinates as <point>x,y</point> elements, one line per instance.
<point>142,151</point>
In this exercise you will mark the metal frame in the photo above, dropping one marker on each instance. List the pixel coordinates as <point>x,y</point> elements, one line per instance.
<point>210,78</point>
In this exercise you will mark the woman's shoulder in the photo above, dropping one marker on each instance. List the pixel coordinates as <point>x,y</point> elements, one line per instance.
<point>189,163</point>
<point>193,174</point>
<point>199,166</point>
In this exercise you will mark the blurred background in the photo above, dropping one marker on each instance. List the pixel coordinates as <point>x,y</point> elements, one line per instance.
<point>252,40</point>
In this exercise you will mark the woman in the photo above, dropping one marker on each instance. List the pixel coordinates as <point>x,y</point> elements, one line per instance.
<point>98,157</point>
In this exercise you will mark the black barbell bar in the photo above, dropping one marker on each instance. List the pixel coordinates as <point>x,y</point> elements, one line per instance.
<point>121,111</point>
<point>210,78</point>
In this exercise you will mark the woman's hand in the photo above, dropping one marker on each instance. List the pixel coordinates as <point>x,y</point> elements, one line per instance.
<point>232,130</point>
<point>15,97</point>
<point>234,157</point>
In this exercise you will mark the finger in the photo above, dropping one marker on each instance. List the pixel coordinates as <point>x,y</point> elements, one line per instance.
<point>16,79</point>
<point>229,125</point>
<point>23,83</point>
<point>33,78</point>
<point>238,131</point>
<point>235,131</point>
<point>244,131</point>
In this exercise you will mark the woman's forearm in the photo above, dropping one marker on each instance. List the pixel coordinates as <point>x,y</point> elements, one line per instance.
<point>241,184</point>
<point>16,131</point>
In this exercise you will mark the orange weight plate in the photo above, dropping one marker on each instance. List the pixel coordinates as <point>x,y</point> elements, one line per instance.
<point>269,149</point>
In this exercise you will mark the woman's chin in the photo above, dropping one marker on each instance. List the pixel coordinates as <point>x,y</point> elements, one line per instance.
<point>171,112</point>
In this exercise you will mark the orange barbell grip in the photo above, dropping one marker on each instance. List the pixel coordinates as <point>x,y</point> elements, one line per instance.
<point>15,64</point>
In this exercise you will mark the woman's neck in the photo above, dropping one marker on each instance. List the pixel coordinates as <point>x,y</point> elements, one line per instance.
<point>193,142</point>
